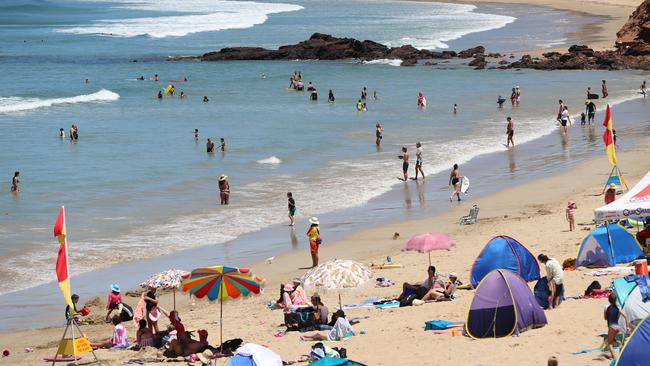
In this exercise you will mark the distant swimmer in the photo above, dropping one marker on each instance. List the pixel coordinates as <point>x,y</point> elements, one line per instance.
<point>156,77</point>
<point>455,108</point>
<point>61,133</point>
<point>171,90</point>
<point>500,101</point>
<point>160,94</point>
<point>263,76</point>
<point>591,111</point>
<point>205,98</point>
<point>379,132</point>
<point>300,86</point>
<point>359,105</point>
<point>74,132</point>
<point>330,96</point>
<point>209,146</point>
<point>375,96</point>
<point>310,87</point>
<point>15,182</point>
<point>422,101</point>
<point>196,134</point>
<point>513,97</point>
<point>560,110</point>
<point>510,132</point>
<point>141,77</point>
<point>364,107</point>
<point>224,189</point>
<point>644,89</point>
<point>518,94</point>
<point>604,89</point>
<point>454,181</point>
<point>222,144</point>
<point>364,93</point>
<point>87,81</point>
<point>418,160</point>
<point>314,94</point>
<point>405,162</point>
<point>183,95</point>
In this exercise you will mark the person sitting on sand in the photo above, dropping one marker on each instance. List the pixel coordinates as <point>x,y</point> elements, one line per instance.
<point>610,194</point>
<point>421,289</point>
<point>176,346</point>
<point>119,339</point>
<point>321,313</point>
<point>340,330</point>
<point>144,336</point>
<point>446,292</point>
<point>72,313</point>
<point>612,314</point>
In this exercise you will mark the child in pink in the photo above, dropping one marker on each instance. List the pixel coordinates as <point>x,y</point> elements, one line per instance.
<point>570,214</point>
<point>114,299</point>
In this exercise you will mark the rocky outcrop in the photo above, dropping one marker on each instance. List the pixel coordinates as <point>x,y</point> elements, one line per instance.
<point>636,32</point>
<point>326,47</point>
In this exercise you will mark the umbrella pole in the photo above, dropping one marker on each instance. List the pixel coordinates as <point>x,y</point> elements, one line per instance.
<point>340,306</point>
<point>221,323</point>
<point>174,292</point>
<point>429,259</point>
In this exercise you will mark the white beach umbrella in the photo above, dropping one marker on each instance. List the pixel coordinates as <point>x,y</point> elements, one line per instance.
<point>337,274</point>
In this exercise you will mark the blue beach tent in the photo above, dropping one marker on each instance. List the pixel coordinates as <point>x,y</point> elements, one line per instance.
<point>606,246</point>
<point>636,351</point>
<point>504,252</point>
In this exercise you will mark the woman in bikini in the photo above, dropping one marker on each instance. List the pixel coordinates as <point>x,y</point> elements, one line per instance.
<point>454,181</point>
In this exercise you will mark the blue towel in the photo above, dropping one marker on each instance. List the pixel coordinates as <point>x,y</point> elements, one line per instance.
<point>440,324</point>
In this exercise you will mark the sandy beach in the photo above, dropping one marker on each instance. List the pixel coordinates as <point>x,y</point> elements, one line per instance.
<point>601,36</point>
<point>532,213</point>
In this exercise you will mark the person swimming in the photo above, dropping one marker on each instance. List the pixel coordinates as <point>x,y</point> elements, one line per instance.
<point>330,97</point>
<point>359,105</point>
<point>160,94</point>
<point>182,94</point>
<point>141,77</point>
<point>205,98</point>
<point>500,101</point>
<point>314,94</point>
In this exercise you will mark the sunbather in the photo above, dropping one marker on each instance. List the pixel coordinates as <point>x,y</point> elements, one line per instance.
<point>446,292</point>
<point>144,336</point>
<point>119,338</point>
<point>340,330</point>
<point>420,290</point>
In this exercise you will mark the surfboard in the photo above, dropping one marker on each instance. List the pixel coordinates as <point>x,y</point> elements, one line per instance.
<point>464,185</point>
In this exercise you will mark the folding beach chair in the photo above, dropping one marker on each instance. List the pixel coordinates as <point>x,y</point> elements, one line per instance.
<point>472,218</point>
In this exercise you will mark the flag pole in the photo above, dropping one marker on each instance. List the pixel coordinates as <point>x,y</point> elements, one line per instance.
<point>67,269</point>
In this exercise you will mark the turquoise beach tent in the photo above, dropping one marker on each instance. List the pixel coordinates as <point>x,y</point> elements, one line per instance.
<point>606,246</point>
<point>636,351</point>
<point>331,361</point>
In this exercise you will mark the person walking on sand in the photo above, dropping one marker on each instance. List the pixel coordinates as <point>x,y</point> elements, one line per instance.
<point>555,279</point>
<point>612,314</point>
<point>292,208</point>
<point>570,214</point>
<point>314,240</point>
<point>15,182</point>
<point>224,189</point>
<point>510,132</point>
<point>379,131</point>
<point>604,89</point>
<point>405,162</point>
<point>209,146</point>
<point>418,160</point>
<point>454,181</point>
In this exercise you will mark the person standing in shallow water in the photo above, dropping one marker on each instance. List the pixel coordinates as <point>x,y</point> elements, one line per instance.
<point>418,160</point>
<point>209,146</point>
<point>222,144</point>
<point>510,132</point>
<point>224,189</point>
<point>196,134</point>
<point>314,240</point>
<point>405,162</point>
<point>379,131</point>
<point>604,89</point>
<point>292,208</point>
<point>454,181</point>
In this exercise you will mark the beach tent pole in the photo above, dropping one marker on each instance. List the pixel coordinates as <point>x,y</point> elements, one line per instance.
<point>221,323</point>
<point>609,241</point>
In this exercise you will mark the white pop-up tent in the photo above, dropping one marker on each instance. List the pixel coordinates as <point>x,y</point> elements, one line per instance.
<point>634,204</point>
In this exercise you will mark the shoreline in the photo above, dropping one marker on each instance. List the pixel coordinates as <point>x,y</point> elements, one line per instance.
<point>514,210</point>
<point>602,37</point>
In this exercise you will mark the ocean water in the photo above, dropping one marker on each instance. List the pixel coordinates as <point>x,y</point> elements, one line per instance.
<point>137,185</point>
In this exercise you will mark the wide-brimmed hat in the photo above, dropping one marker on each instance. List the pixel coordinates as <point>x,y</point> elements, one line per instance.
<point>205,357</point>
<point>223,177</point>
<point>288,287</point>
<point>314,220</point>
<point>453,274</point>
<point>115,287</point>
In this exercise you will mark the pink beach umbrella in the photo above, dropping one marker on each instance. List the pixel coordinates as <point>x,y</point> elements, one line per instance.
<point>426,243</point>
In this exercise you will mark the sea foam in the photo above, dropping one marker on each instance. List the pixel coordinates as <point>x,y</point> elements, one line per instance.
<point>18,104</point>
<point>194,16</point>
<point>273,160</point>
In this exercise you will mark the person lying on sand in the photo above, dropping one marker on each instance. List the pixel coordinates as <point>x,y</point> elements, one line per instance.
<point>446,292</point>
<point>340,330</point>
<point>119,339</point>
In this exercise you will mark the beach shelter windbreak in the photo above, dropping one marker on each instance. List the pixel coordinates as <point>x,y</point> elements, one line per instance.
<point>503,305</point>
<point>597,250</point>
<point>636,351</point>
<point>506,253</point>
<point>635,203</point>
<point>630,300</point>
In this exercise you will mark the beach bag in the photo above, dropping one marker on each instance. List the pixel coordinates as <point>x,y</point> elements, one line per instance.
<point>127,312</point>
<point>408,300</point>
<point>302,321</point>
<point>593,286</point>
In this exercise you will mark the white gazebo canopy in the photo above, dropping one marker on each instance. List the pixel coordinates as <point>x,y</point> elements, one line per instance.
<point>634,204</point>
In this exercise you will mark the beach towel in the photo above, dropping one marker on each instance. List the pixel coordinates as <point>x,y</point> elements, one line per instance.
<point>440,324</point>
<point>139,312</point>
<point>387,305</point>
<point>367,303</point>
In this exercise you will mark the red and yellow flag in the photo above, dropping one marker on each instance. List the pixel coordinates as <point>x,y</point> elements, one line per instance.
<point>62,259</point>
<point>608,137</point>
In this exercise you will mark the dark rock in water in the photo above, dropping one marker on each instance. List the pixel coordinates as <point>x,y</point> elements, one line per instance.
<point>551,54</point>
<point>494,55</point>
<point>582,50</point>
<point>472,52</point>
<point>478,62</point>
<point>503,62</point>
<point>409,62</point>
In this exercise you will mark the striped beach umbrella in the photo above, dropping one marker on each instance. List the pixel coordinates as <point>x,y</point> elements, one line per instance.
<point>220,283</point>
